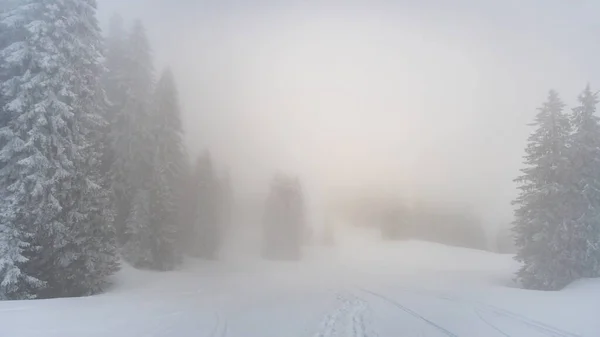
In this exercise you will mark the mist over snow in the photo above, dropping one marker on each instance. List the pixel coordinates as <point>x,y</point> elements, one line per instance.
<point>428,99</point>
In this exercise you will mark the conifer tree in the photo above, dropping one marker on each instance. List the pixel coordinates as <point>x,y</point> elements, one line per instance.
<point>134,152</point>
<point>542,221</point>
<point>205,236</point>
<point>284,219</point>
<point>226,200</point>
<point>168,170</point>
<point>58,236</point>
<point>582,247</point>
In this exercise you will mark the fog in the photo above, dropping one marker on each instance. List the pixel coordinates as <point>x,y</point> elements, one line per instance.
<point>429,100</point>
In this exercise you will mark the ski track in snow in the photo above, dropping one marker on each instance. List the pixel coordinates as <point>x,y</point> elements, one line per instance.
<point>347,320</point>
<point>410,312</point>
<point>490,324</point>
<point>482,310</point>
<point>543,328</point>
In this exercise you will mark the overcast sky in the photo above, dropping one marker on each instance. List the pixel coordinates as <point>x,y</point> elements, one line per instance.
<point>430,98</point>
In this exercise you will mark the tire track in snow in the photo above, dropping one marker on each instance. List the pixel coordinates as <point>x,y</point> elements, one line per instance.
<point>410,312</point>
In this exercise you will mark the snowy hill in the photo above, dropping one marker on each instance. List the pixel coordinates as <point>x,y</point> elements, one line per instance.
<point>361,287</point>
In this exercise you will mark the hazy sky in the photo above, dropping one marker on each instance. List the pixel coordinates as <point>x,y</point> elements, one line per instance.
<point>430,98</point>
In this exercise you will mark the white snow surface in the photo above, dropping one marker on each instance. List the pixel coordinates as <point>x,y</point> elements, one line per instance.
<point>362,287</point>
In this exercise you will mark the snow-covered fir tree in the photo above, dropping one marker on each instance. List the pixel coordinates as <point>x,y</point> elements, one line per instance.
<point>168,170</point>
<point>134,152</point>
<point>128,86</point>
<point>284,226</point>
<point>15,240</point>
<point>57,232</point>
<point>542,227</point>
<point>582,244</point>
<point>205,234</point>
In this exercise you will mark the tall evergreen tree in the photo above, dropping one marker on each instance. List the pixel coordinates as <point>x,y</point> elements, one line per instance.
<point>15,238</point>
<point>168,169</point>
<point>129,84</point>
<point>134,152</point>
<point>582,247</point>
<point>58,235</point>
<point>542,221</point>
<point>205,236</point>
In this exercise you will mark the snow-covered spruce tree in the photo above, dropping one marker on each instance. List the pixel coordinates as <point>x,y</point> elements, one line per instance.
<point>168,171</point>
<point>284,219</point>
<point>115,159</point>
<point>58,239</point>
<point>15,237</point>
<point>205,236</point>
<point>542,226</point>
<point>582,241</point>
<point>134,152</point>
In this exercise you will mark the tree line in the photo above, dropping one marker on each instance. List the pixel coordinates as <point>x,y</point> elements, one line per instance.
<point>93,168</point>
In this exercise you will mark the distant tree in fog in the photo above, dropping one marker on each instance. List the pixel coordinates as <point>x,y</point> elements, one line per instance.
<point>543,227</point>
<point>145,129</point>
<point>226,200</point>
<point>119,122</point>
<point>505,242</point>
<point>167,171</point>
<point>284,219</point>
<point>55,221</point>
<point>205,235</point>
<point>582,248</point>
<point>396,223</point>
<point>133,142</point>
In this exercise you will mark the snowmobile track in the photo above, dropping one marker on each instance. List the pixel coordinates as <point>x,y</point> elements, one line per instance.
<point>480,307</point>
<point>543,328</point>
<point>410,312</point>
<point>488,323</point>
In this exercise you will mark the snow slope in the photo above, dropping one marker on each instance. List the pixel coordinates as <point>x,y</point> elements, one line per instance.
<point>361,288</point>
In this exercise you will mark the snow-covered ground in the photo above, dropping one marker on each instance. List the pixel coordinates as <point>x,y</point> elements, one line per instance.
<point>360,288</point>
